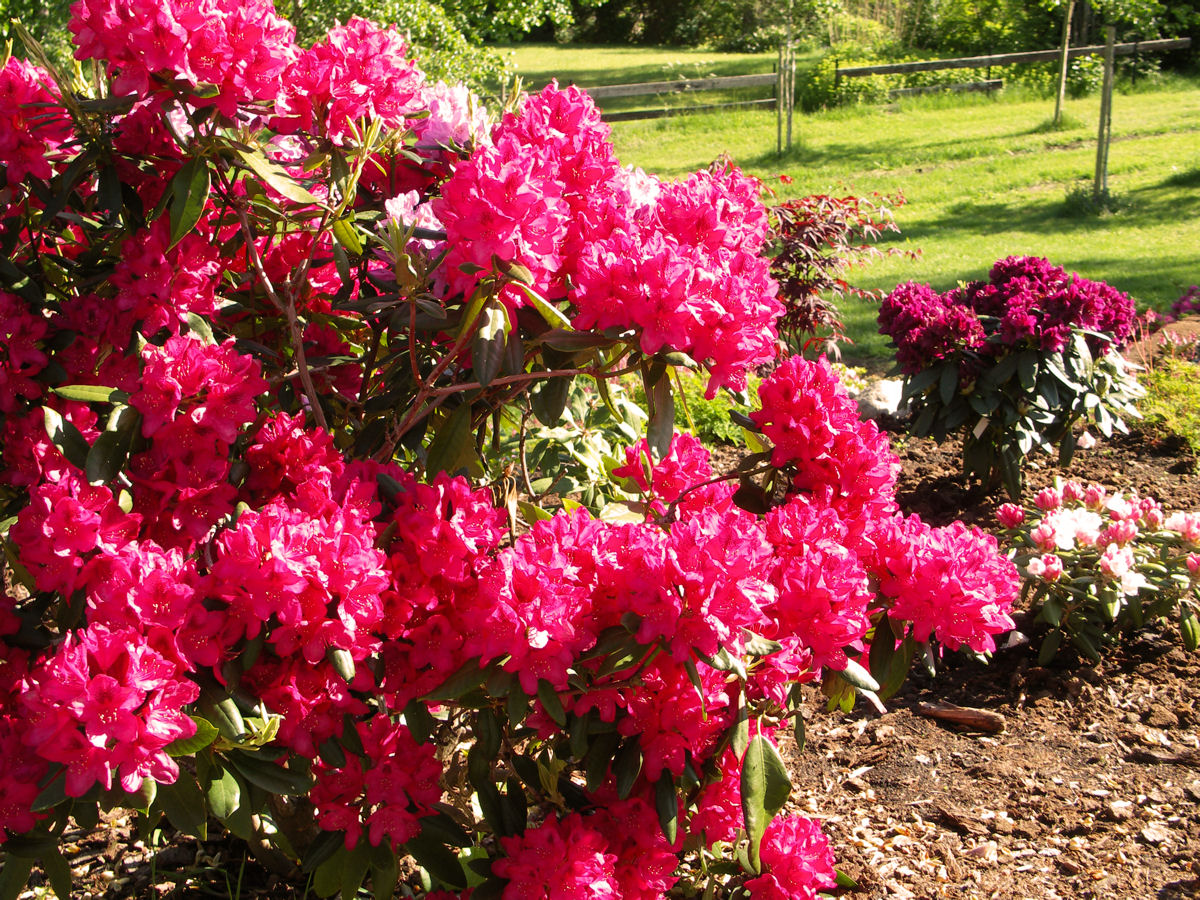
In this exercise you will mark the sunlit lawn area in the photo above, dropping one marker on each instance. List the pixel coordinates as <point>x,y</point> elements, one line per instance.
<point>983,177</point>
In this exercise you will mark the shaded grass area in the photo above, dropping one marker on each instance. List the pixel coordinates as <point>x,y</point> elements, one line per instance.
<point>984,178</point>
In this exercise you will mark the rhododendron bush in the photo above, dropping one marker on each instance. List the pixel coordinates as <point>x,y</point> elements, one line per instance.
<point>1014,363</point>
<point>267,311</point>
<point>1099,565</point>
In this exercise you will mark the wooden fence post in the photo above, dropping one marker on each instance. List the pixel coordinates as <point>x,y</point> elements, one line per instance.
<point>791,89</point>
<point>779,101</point>
<point>1062,66</point>
<point>1100,188</point>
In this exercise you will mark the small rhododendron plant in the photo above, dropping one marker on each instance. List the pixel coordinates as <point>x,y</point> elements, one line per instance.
<point>1099,565</point>
<point>268,313</point>
<point>1014,363</point>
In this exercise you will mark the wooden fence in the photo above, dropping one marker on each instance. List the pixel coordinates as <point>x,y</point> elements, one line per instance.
<point>782,90</point>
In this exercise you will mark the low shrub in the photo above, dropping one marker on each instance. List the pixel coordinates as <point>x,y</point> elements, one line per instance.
<point>1100,566</point>
<point>1013,363</point>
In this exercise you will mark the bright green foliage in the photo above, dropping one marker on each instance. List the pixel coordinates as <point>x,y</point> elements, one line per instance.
<point>1172,402</point>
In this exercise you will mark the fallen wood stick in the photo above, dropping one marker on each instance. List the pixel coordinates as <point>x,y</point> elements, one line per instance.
<point>1185,757</point>
<point>965,716</point>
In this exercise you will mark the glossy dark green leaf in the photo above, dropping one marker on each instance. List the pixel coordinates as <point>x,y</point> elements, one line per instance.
<point>660,427</point>
<point>58,872</point>
<point>465,679</point>
<point>438,860</point>
<point>354,870</point>
<point>66,437</point>
<point>627,766</point>
<point>275,176</point>
<point>948,384</point>
<point>666,802</point>
<point>487,733</point>
<point>189,196</point>
<point>548,697</point>
<point>453,445</point>
<point>206,733</point>
<point>183,805</point>
<point>419,721</point>
<point>269,776</point>
<point>14,875</point>
<point>91,393</point>
<point>599,756</point>
<point>489,344</point>
<point>765,789</point>
<point>51,795</point>
<point>549,399</point>
<point>223,793</point>
<point>1189,630</point>
<point>344,234</point>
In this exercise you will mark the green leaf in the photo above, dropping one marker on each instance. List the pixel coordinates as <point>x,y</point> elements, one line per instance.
<point>548,697</point>
<point>323,848</point>
<point>279,180</point>
<point>1189,630</point>
<point>344,233</point>
<point>666,801</point>
<point>354,869</point>
<point>490,343</point>
<point>487,733</point>
<point>549,399</point>
<point>465,679</point>
<point>856,675</point>
<point>948,383</point>
<point>599,755</point>
<point>91,393</point>
<point>1027,369</point>
<point>14,875</point>
<point>420,722</point>
<point>627,765</point>
<point>453,446</point>
<point>661,426</point>
<point>66,437</point>
<point>52,794</point>
<point>1050,645</point>
<point>269,776</point>
<point>206,733</point>
<point>844,881</point>
<point>183,805</point>
<point>438,860</point>
<point>327,879</point>
<point>224,792</point>
<point>223,713</point>
<point>757,645</point>
<point>58,872</point>
<point>189,195</point>
<point>548,312</point>
<point>765,789</point>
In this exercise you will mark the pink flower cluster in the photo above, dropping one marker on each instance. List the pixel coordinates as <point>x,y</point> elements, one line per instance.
<point>1027,302</point>
<point>240,46</point>
<point>33,123</point>
<point>679,262</point>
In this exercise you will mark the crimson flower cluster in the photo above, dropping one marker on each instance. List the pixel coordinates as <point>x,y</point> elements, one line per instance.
<point>1025,303</point>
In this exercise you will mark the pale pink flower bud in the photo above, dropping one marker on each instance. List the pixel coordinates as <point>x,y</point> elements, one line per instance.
<point>1094,496</point>
<point>1072,492</point>
<point>1010,515</point>
<point>1052,567</point>
<point>1048,499</point>
<point>1085,441</point>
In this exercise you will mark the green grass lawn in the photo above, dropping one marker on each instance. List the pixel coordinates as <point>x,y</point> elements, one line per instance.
<point>983,177</point>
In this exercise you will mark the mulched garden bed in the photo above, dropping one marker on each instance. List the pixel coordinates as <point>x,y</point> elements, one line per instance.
<point>1093,788</point>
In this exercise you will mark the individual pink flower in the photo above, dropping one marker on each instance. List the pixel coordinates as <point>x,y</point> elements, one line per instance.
<point>1048,567</point>
<point>1010,515</point>
<point>1048,499</point>
<point>1072,492</point>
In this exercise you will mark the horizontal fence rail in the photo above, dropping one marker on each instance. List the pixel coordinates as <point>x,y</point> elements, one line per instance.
<point>724,82</point>
<point>1004,59</point>
<point>991,84</point>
